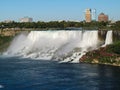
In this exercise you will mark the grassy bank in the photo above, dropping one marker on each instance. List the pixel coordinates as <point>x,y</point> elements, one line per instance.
<point>109,55</point>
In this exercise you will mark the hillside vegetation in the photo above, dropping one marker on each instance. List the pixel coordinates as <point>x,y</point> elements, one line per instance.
<point>105,55</point>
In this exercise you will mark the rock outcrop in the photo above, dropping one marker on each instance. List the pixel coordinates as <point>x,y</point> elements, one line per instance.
<point>101,56</point>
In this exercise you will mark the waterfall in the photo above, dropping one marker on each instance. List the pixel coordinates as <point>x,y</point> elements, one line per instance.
<point>108,39</point>
<point>65,46</point>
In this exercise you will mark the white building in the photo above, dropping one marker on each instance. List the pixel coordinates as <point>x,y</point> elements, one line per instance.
<point>94,14</point>
<point>26,19</point>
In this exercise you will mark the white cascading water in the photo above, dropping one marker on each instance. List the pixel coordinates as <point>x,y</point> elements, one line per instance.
<point>66,46</point>
<point>108,39</point>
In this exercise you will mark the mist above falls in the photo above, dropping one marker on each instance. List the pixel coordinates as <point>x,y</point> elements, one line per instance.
<point>65,46</point>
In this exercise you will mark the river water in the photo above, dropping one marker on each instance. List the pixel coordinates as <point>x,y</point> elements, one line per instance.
<point>28,74</point>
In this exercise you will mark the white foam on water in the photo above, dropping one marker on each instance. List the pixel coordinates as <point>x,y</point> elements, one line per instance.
<point>1,86</point>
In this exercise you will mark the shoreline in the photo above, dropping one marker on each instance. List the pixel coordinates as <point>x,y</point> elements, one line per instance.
<point>106,64</point>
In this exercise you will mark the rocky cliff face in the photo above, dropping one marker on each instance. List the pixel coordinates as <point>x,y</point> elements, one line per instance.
<point>116,35</point>
<point>11,32</point>
<point>8,32</point>
<point>102,35</point>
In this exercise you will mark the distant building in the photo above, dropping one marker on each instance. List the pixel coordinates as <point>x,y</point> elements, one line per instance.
<point>26,19</point>
<point>94,14</point>
<point>102,17</point>
<point>8,21</point>
<point>88,16</point>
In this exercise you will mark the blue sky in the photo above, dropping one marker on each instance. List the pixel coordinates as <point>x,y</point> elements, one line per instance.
<point>50,10</point>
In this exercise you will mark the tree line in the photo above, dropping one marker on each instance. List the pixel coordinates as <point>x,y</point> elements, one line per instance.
<point>62,25</point>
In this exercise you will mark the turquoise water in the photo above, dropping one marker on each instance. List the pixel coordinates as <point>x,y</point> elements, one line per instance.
<point>27,74</point>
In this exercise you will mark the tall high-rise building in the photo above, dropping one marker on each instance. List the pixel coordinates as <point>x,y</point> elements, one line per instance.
<point>88,16</point>
<point>26,19</point>
<point>94,14</point>
<point>103,17</point>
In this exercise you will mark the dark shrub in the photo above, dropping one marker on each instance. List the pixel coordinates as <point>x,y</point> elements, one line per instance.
<point>115,48</point>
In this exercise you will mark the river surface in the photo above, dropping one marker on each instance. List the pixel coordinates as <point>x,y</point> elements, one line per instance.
<point>27,74</point>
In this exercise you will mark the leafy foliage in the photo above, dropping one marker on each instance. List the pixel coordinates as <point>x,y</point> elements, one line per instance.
<point>116,26</point>
<point>115,48</point>
<point>56,24</point>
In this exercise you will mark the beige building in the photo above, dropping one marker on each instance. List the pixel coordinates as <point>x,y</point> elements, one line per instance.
<point>88,16</point>
<point>102,17</point>
<point>26,19</point>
